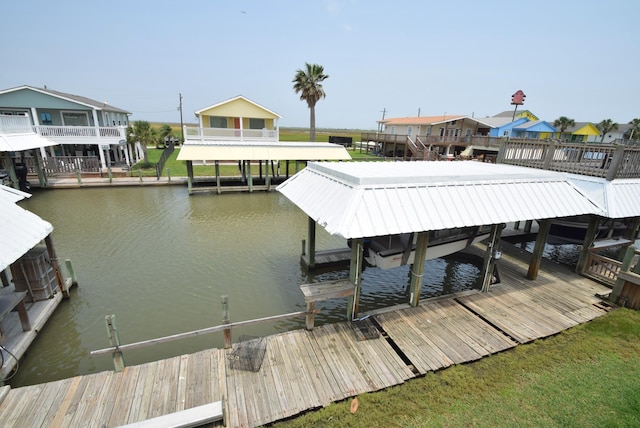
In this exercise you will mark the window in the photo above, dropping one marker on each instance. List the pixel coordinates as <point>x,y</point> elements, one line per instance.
<point>217,122</point>
<point>73,118</point>
<point>409,130</point>
<point>45,118</point>
<point>256,123</point>
<point>393,130</point>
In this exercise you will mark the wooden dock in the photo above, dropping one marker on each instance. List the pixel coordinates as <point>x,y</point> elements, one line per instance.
<point>267,379</point>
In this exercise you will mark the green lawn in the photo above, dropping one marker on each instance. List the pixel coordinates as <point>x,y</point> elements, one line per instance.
<point>588,376</point>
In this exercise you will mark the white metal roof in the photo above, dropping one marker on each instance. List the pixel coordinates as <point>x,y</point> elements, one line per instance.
<point>20,142</point>
<point>235,150</point>
<point>362,199</point>
<point>20,230</point>
<point>619,198</point>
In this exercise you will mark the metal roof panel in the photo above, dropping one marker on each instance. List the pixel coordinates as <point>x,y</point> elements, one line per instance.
<point>362,199</point>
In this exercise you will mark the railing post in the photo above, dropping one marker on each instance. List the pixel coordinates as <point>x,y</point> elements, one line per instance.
<point>109,174</point>
<point>140,174</point>
<point>79,176</point>
<point>616,162</point>
<point>548,158</point>
<point>169,175</point>
<point>225,320</point>
<point>114,340</point>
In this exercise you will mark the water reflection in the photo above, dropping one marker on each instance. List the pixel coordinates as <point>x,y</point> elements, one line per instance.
<point>160,260</point>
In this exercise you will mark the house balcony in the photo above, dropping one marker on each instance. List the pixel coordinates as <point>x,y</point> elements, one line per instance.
<point>103,135</point>
<point>196,135</point>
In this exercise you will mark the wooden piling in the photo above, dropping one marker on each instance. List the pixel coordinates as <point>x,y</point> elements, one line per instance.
<point>225,320</point>
<point>417,268</point>
<point>114,340</point>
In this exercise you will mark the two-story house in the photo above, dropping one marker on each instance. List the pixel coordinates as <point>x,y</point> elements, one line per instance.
<point>80,126</point>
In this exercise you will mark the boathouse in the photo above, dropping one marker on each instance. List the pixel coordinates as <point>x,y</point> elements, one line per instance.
<point>32,282</point>
<point>360,200</point>
<point>610,176</point>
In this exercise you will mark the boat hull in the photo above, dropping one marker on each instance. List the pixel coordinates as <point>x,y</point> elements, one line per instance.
<point>392,256</point>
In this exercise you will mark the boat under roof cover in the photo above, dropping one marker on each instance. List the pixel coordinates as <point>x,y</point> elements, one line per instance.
<point>366,199</point>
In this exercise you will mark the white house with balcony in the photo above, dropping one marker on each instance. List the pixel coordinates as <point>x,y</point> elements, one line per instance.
<point>80,127</point>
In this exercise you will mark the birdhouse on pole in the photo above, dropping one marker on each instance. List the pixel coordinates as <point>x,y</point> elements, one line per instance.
<point>517,99</point>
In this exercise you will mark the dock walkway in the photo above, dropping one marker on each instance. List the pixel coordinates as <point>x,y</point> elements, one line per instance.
<point>289,373</point>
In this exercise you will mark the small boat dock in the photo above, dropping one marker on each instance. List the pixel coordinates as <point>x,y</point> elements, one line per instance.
<point>263,380</point>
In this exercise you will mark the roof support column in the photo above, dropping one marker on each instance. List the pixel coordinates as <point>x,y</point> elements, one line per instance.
<point>630,253</point>
<point>355,275</point>
<point>492,254</point>
<point>189,176</point>
<point>42,179</point>
<point>249,176</point>
<point>311,249</point>
<point>417,268</point>
<point>589,237</point>
<point>267,177</point>
<point>218,184</point>
<point>538,249</point>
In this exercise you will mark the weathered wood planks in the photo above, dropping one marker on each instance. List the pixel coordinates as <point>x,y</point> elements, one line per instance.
<point>304,369</point>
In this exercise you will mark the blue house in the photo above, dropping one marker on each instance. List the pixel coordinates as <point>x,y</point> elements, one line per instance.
<point>80,126</point>
<point>535,129</point>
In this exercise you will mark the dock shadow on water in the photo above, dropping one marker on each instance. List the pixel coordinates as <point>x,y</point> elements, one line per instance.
<point>160,260</point>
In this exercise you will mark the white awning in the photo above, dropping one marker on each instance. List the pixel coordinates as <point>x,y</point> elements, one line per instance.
<point>20,142</point>
<point>363,199</point>
<point>20,230</point>
<point>234,150</point>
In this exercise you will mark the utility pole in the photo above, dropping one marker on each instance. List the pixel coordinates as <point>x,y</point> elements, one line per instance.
<point>181,124</point>
<point>384,112</point>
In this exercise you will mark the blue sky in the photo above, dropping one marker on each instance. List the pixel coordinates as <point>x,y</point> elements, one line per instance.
<point>571,58</point>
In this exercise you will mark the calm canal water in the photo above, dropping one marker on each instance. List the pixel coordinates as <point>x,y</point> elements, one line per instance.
<point>160,260</point>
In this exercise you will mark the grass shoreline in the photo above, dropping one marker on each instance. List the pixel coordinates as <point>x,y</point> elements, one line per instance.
<point>587,376</point>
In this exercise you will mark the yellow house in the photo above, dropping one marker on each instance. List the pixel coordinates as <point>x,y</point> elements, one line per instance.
<point>583,132</point>
<point>236,119</point>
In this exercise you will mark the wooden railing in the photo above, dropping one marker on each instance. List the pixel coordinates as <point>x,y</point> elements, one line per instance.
<point>603,268</point>
<point>476,140</point>
<point>117,348</point>
<point>229,134</point>
<point>68,165</point>
<point>596,160</point>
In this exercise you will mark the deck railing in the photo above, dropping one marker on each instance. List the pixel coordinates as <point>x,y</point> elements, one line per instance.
<point>229,134</point>
<point>596,160</point>
<point>82,132</point>
<point>603,269</point>
<point>68,165</point>
<point>435,140</point>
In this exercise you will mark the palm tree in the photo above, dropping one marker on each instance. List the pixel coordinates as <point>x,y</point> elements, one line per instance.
<point>308,83</point>
<point>635,129</point>
<point>563,123</point>
<point>140,131</point>
<point>606,126</point>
